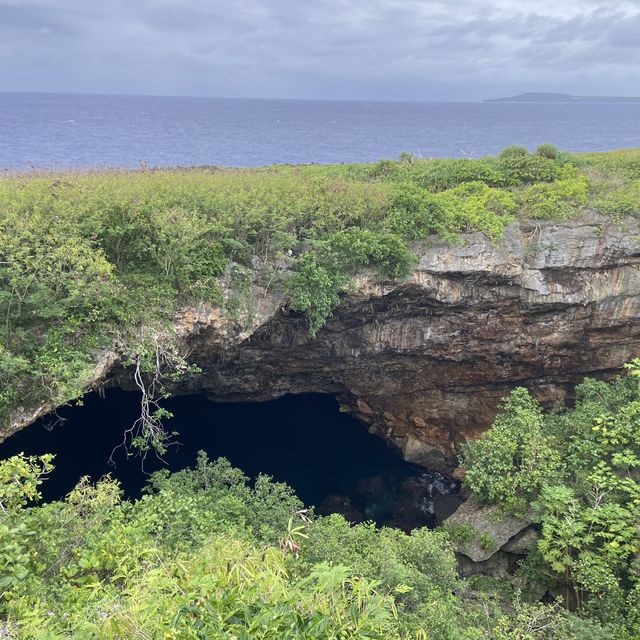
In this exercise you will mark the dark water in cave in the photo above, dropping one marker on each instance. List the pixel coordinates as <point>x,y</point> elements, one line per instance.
<point>329,458</point>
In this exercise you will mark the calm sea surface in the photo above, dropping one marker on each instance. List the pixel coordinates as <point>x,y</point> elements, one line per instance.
<point>84,130</point>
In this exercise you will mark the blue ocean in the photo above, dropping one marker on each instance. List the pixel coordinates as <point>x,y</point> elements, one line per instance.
<point>67,130</point>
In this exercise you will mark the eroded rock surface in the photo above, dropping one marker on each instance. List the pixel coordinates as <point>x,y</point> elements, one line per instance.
<point>489,529</point>
<point>489,541</point>
<point>425,361</point>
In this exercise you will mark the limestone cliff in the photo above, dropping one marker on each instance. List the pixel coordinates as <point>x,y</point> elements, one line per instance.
<point>424,361</point>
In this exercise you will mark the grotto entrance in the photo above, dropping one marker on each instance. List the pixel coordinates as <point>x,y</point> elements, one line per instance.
<point>328,457</point>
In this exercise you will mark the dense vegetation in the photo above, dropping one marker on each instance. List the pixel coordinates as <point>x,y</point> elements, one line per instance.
<point>207,554</point>
<point>577,474</point>
<point>102,259</point>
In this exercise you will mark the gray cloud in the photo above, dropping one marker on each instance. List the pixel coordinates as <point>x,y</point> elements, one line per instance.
<point>404,49</point>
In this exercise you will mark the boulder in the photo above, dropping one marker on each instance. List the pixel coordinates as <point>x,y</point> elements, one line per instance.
<point>487,540</point>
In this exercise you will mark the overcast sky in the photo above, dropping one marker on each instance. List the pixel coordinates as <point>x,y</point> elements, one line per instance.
<point>347,49</point>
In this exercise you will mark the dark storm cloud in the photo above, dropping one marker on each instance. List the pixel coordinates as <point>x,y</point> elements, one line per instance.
<point>405,49</point>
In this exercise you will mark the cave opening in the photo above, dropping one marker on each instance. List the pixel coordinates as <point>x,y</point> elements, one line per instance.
<point>327,457</point>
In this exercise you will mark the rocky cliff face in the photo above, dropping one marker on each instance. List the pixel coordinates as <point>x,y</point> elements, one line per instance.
<point>424,361</point>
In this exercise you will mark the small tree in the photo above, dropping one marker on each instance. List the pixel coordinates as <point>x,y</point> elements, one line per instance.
<point>515,458</point>
<point>20,477</point>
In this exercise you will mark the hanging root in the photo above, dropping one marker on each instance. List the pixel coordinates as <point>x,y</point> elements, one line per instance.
<point>148,433</point>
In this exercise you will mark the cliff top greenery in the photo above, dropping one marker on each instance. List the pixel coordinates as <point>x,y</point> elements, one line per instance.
<point>89,257</point>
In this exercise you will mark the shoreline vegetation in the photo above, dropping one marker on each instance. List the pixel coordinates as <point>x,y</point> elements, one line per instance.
<point>91,260</point>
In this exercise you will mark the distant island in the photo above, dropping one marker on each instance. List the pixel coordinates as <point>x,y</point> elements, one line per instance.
<point>562,97</point>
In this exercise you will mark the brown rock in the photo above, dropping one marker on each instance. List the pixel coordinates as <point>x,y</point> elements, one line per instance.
<point>363,407</point>
<point>418,421</point>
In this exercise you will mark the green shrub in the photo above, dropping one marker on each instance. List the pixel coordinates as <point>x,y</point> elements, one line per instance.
<point>549,151</point>
<point>207,553</point>
<point>475,206</point>
<point>384,169</point>
<point>315,285</point>
<point>515,458</point>
<point>557,200</point>
<point>413,212</point>
<point>622,163</point>
<point>419,570</point>
<point>20,478</point>
<point>442,174</point>
<point>110,573</point>
<point>423,560</point>
<point>527,169</point>
<point>621,201</point>
<point>439,174</point>
<point>535,621</point>
<point>313,289</point>
<point>350,250</point>
<point>513,151</point>
<point>406,158</point>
